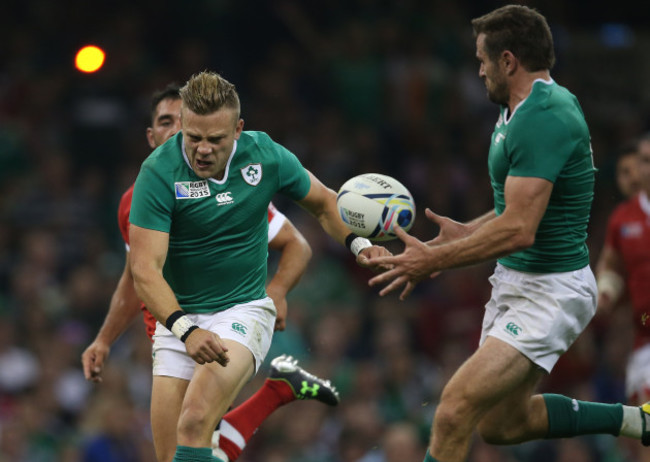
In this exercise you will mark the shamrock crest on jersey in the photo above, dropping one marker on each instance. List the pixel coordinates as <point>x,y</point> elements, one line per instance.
<point>252,174</point>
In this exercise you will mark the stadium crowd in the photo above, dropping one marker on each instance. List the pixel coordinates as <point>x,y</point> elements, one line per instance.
<point>350,87</point>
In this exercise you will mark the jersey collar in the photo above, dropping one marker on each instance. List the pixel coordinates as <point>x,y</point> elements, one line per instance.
<point>225,173</point>
<point>507,117</point>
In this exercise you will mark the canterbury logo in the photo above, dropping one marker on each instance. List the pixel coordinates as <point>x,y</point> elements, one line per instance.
<point>513,328</point>
<point>239,328</point>
<point>223,198</point>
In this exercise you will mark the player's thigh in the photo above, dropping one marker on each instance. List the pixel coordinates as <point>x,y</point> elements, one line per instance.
<point>167,396</point>
<point>494,371</point>
<point>213,387</point>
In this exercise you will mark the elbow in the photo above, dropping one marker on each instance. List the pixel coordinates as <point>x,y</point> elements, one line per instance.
<point>140,272</point>
<point>522,240</point>
<point>305,250</point>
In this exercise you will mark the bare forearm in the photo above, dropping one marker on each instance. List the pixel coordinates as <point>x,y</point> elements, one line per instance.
<point>292,265</point>
<point>493,239</point>
<point>124,308</point>
<point>156,294</point>
<point>480,221</point>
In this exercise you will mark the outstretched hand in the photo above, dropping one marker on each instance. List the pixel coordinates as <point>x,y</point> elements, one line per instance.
<point>406,269</point>
<point>450,230</point>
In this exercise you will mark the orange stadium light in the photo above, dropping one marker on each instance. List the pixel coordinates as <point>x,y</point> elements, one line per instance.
<point>89,59</point>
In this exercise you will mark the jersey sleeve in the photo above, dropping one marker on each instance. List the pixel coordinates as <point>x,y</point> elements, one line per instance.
<point>276,220</point>
<point>539,147</point>
<point>153,201</point>
<point>293,177</point>
<point>123,211</point>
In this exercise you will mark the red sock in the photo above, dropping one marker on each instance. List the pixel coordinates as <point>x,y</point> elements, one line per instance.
<point>238,425</point>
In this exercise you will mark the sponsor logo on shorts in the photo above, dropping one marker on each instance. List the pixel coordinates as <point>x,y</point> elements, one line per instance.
<point>239,328</point>
<point>644,319</point>
<point>224,198</point>
<point>513,329</point>
<point>191,189</point>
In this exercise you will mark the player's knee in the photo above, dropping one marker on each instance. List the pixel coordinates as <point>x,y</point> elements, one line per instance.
<point>502,432</point>
<point>451,414</point>
<point>192,423</point>
<point>492,434</point>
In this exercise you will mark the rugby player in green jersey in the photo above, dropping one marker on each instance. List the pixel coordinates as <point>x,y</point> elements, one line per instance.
<point>287,380</point>
<point>543,291</point>
<point>198,239</point>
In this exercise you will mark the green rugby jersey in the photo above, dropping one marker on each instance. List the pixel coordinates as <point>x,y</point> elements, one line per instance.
<point>547,137</point>
<point>218,243</point>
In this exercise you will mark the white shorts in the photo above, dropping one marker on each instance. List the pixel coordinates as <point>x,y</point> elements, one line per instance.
<point>539,314</point>
<point>250,324</point>
<point>637,376</point>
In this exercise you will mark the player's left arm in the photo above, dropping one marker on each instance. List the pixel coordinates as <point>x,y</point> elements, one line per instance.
<point>526,200</point>
<point>320,201</point>
<point>295,254</point>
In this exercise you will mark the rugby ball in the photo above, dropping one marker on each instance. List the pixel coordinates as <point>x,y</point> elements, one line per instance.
<point>372,205</point>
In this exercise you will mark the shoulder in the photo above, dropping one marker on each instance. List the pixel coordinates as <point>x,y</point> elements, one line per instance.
<point>167,156</point>
<point>550,112</point>
<point>254,140</point>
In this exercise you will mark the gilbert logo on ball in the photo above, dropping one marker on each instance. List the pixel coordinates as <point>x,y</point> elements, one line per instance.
<point>372,205</point>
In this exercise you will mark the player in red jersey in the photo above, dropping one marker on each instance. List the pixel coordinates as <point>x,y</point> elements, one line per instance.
<point>624,268</point>
<point>287,380</point>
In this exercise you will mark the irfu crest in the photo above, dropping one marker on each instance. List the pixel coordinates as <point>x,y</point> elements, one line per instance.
<point>252,174</point>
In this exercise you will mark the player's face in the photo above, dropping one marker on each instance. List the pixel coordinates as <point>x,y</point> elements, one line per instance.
<point>166,122</point>
<point>643,158</point>
<point>492,74</point>
<point>627,175</point>
<point>209,140</point>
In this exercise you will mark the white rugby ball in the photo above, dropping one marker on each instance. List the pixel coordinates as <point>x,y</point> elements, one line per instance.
<point>372,205</point>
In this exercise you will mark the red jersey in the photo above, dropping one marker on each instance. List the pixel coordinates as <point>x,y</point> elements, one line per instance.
<point>276,220</point>
<point>628,232</point>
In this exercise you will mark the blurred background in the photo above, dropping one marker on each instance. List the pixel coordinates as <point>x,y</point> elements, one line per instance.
<point>350,87</point>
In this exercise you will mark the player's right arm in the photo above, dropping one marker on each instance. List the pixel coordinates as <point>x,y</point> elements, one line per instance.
<point>610,275</point>
<point>610,268</point>
<point>295,253</point>
<point>148,255</point>
<point>123,309</point>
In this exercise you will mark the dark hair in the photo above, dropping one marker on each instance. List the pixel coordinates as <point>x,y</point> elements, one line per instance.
<point>643,139</point>
<point>171,91</point>
<point>627,149</point>
<point>521,30</point>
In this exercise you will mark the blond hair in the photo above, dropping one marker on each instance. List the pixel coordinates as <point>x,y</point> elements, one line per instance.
<point>207,92</point>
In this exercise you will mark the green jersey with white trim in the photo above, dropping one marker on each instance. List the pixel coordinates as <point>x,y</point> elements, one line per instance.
<point>218,245</point>
<point>546,136</point>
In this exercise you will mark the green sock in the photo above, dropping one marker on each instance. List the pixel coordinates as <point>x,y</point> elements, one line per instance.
<point>188,454</point>
<point>429,457</point>
<point>569,417</point>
